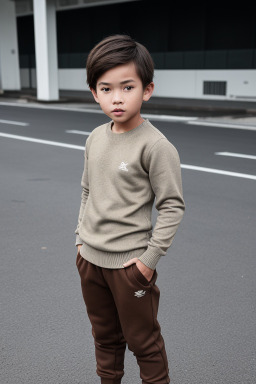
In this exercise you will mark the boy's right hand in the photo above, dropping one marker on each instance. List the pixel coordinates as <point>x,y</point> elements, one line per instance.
<point>78,248</point>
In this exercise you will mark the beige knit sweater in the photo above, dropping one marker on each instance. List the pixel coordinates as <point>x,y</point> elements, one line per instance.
<point>123,174</point>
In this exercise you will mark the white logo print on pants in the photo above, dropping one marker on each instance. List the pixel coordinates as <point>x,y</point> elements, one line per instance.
<point>139,293</point>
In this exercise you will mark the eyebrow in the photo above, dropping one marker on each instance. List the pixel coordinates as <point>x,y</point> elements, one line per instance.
<point>122,82</point>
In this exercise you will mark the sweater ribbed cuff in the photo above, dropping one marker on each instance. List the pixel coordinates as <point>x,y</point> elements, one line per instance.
<point>78,240</point>
<point>150,257</point>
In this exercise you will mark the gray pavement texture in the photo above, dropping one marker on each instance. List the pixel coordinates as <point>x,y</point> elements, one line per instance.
<point>207,279</point>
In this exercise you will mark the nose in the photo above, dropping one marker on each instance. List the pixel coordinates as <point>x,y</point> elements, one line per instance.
<point>117,97</point>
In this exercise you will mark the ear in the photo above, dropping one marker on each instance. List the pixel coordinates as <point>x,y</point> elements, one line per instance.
<point>94,95</point>
<point>148,91</point>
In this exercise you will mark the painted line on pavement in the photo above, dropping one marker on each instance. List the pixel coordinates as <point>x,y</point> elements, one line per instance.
<point>78,132</point>
<point>231,154</point>
<point>48,142</point>
<point>223,125</point>
<point>184,166</point>
<point>218,171</point>
<point>13,122</point>
<point>167,117</point>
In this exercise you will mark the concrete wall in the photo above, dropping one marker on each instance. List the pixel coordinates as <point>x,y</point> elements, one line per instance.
<point>189,84</point>
<point>9,59</point>
<point>241,84</point>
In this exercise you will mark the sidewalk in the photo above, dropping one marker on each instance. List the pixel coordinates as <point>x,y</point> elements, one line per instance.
<point>231,111</point>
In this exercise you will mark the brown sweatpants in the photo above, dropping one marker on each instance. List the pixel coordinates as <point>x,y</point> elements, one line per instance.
<point>122,307</point>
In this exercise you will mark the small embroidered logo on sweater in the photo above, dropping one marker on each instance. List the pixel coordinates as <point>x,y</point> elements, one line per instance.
<point>140,293</point>
<point>123,166</point>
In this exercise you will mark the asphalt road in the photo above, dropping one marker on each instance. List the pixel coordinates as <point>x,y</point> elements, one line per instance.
<point>207,280</point>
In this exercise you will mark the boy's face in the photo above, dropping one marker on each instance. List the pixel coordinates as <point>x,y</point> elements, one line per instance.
<point>120,93</point>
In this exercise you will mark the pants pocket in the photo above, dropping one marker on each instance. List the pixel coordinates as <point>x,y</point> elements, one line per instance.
<point>141,279</point>
<point>139,275</point>
<point>77,257</point>
<point>80,261</point>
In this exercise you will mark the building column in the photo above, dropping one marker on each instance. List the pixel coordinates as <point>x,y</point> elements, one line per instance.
<point>9,58</point>
<point>46,50</point>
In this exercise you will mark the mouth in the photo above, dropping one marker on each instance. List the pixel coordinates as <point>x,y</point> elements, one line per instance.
<point>118,111</point>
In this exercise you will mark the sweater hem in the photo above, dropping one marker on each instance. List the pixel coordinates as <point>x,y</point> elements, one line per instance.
<point>111,260</point>
<point>79,241</point>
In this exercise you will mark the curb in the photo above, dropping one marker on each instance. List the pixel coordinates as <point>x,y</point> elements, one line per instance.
<point>153,106</point>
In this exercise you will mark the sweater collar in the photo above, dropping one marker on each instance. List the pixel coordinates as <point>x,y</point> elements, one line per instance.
<point>124,135</point>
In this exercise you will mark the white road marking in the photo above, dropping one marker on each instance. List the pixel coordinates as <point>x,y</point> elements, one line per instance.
<point>223,125</point>
<point>167,117</point>
<point>185,166</point>
<point>48,142</point>
<point>13,122</point>
<point>231,154</point>
<point>78,132</point>
<point>218,171</point>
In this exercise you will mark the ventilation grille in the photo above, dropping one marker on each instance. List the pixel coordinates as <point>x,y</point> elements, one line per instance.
<point>215,88</point>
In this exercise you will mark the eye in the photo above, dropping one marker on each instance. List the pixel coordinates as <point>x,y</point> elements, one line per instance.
<point>128,87</point>
<point>105,89</point>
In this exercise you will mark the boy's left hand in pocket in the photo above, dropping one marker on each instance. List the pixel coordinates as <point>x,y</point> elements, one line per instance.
<point>146,271</point>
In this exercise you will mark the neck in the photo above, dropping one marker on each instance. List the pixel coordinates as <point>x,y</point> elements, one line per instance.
<point>118,127</point>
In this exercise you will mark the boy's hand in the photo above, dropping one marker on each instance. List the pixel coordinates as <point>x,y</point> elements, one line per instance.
<point>146,271</point>
<point>78,248</point>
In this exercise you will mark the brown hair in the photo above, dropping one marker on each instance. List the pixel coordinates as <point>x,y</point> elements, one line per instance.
<point>116,50</point>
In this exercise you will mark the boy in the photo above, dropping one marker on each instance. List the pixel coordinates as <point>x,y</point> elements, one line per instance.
<point>128,164</point>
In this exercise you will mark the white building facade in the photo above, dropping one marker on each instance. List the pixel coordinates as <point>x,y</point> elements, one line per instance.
<point>44,45</point>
